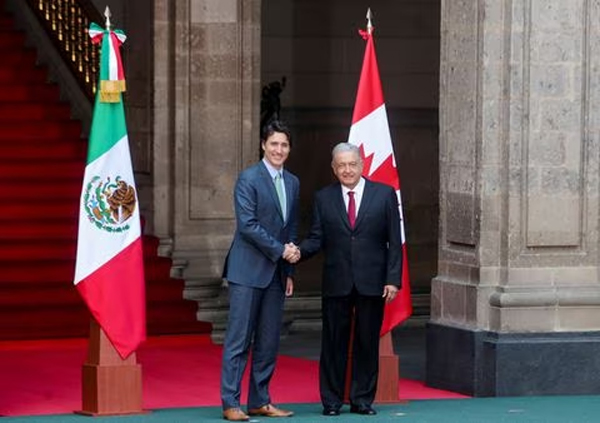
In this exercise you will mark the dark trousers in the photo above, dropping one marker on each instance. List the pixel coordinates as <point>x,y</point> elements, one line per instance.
<point>337,325</point>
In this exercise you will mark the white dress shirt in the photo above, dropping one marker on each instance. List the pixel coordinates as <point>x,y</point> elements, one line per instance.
<point>358,194</point>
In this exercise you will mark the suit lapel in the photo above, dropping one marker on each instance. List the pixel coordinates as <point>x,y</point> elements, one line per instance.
<point>268,182</point>
<point>365,203</point>
<point>339,205</point>
<point>287,183</point>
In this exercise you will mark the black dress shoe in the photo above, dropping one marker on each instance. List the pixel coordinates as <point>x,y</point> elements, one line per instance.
<point>331,411</point>
<point>365,410</point>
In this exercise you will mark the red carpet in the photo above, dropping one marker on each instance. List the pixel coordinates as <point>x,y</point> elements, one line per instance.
<point>43,377</point>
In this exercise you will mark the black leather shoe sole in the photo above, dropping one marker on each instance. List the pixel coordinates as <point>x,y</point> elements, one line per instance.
<point>365,410</point>
<point>331,412</point>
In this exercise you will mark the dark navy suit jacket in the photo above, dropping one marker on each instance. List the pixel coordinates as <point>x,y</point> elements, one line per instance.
<point>261,232</point>
<point>368,256</point>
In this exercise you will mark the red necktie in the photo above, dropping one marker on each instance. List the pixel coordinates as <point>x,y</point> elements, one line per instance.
<point>351,209</point>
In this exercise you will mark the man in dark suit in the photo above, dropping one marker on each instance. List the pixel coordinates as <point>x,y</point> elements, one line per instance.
<point>259,274</point>
<point>356,223</point>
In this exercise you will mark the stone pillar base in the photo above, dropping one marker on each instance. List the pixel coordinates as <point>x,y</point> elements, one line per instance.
<point>490,364</point>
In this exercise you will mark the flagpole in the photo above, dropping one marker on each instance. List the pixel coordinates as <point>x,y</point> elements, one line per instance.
<point>107,15</point>
<point>388,380</point>
<point>111,377</point>
<point>370,99</point>
<point>369,23</point>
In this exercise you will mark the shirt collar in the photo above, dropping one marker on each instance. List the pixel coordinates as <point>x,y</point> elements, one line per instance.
<point>272,171</point>
<point>358,189</point>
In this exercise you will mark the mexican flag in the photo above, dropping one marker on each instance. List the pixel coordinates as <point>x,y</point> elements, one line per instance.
<point>371,133</point>
<point>109,273</point>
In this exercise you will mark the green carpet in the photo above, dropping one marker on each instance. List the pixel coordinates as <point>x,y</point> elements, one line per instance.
<point>564,409</point>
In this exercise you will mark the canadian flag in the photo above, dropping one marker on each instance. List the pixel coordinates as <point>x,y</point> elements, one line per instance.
<point>371,133</point>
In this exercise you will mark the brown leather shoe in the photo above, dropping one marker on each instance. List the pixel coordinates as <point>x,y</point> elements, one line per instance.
<point>270,410</point>
<point>235,415</point>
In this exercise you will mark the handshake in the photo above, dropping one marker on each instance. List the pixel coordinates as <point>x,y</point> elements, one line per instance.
<point>291,253</point>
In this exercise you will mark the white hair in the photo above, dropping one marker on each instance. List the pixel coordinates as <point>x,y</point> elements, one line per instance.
<point>345,147</point>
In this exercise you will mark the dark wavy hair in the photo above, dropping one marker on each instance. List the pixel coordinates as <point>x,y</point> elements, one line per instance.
<point>275,126</point>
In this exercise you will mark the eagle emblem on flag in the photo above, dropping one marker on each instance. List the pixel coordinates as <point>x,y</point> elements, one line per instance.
<point>109,203</point>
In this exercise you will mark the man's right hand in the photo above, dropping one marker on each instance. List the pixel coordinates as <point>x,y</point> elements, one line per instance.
<point>291,253</point>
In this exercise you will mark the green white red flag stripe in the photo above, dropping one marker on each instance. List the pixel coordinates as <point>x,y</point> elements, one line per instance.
<point>111,69</point>
<point>371,133</point>
<point>109,272</point>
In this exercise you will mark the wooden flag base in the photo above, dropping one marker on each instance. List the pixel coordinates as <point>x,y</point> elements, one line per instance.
<point>110,385</point>
<point>388,378</point>
<point>389,374</point>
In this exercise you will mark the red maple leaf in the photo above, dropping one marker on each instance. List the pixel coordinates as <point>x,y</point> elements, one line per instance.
<point>386,173</point>
<point>367,161</point>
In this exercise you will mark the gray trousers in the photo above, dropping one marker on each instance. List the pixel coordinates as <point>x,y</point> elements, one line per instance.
<point>254,324</point>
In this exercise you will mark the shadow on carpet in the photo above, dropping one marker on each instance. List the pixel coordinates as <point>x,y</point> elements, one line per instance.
<point>570,409</point>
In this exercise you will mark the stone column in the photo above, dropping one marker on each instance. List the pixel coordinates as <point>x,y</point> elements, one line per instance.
<point>516,303</point>
<point>207,83</point>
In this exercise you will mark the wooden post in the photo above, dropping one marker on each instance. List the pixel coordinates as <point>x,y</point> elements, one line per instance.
<point>389,373</point>
<point>110,385</point>
<point>388,379</point>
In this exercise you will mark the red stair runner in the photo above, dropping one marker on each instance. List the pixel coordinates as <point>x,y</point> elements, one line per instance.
<point>42,159</point>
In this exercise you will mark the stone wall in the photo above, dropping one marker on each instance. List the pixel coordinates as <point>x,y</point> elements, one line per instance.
<point>519,192</point>
<point>517,298</point>
<point>206,126</point>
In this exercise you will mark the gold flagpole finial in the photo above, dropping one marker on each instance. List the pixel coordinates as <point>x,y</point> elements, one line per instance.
<point>107,15</point>
<point>369,22</point>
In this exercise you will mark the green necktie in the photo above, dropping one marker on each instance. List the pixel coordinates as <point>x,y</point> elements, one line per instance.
<point>279,189</point>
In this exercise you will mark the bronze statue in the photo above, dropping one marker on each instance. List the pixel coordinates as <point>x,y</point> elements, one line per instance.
<point>270,103</point>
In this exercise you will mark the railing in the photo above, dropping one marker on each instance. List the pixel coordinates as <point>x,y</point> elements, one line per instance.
<point>66,22</point>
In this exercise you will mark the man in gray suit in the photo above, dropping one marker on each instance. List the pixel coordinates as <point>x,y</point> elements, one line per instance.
<point>259,273</point>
